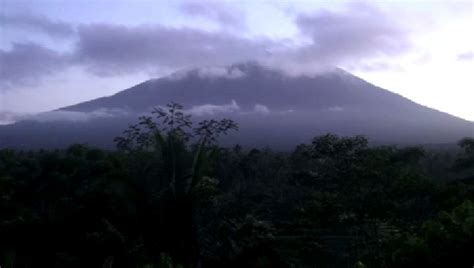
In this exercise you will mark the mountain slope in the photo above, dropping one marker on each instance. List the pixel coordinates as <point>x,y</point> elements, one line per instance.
<point>272,108</point>
<point>254,85</point>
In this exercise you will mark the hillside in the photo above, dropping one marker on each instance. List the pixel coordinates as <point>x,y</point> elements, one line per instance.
<point>271,107</point>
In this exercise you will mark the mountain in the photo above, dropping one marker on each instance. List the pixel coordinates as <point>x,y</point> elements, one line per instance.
<point>271,107</point>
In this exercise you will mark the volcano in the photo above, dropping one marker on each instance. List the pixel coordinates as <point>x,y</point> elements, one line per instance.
<point>271,107</point>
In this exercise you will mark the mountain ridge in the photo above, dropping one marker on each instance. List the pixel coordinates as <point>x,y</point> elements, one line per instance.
<point>193,73</point>
<point>271,107</point>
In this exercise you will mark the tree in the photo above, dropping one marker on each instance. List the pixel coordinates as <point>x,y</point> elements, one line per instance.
<point>465,161</point>
<point>186,154</point>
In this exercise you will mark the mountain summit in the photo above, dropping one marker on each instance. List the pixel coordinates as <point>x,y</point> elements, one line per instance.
<point>250,84</point>
<point>272,108</point>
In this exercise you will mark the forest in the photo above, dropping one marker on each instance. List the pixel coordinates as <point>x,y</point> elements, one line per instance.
<point>170,197</point>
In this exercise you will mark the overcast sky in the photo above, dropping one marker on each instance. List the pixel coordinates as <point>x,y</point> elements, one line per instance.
<point>57,53</point>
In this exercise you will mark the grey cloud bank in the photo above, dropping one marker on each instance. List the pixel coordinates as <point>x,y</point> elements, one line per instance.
<point>36,22</point>
<point>350,37</point>
<point>26,63</point>
<point>111,49</point>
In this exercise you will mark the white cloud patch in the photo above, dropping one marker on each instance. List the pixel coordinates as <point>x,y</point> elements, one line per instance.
<point>73,116</point>
<point>7,117</point>
<point>178,75</point>
<point>220,72</point>
<point>207,73</point>
<point>261,109</point>
<point>335,109</point>
<point>211,109</point>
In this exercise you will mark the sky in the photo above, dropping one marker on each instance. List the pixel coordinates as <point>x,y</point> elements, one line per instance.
<point>55,53</point>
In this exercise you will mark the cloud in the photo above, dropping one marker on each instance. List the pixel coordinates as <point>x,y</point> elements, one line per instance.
<point>220,72</point>
<point>217,11</point>
<point>261,109</point>
<point>376,66</point>
<point>211,109</point>
<point>334,109</point>
<point>466,56</point>
<point>109,49</point>
<point>38,23</point>
<point>73,116</point>
<point>353,37</point>
<point>350,36</point>
<point>25,63</point>
<point>208,73</point>
<point>7,117</point>
<point>112,50</point>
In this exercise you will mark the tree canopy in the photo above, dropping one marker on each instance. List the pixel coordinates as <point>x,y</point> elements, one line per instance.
<point>170,196</point>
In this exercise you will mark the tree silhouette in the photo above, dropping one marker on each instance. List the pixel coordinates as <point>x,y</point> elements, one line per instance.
<point>186,152</point>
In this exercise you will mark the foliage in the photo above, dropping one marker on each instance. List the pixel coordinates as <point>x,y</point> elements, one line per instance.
<point>171,197</point>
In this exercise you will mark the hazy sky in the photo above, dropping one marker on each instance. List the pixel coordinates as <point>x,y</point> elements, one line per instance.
<point>56,53</point>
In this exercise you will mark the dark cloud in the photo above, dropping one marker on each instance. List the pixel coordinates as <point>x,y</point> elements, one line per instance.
<point>357,33</point>
<point>35,22</point>
<point>466,56</point>
<point>336,38</point>
<point>25,63</point>
<point>111,49</point>
<point>223,14</point>
<point>349,38</point>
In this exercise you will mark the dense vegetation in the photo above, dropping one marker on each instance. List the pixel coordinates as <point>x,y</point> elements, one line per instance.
<point>170,197</point>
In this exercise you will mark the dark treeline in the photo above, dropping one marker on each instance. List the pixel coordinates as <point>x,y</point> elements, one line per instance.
<point>171,197</point>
